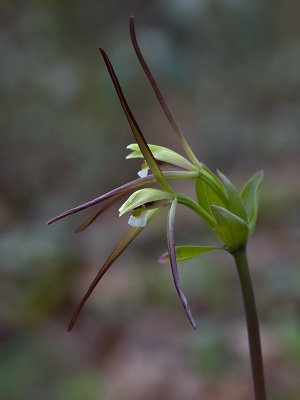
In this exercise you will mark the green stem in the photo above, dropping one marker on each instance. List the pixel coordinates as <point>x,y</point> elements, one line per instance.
<point>241,262</point>
<point>188,202</point>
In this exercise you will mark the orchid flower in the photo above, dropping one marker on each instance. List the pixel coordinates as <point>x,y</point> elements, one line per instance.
<point>228,214</point>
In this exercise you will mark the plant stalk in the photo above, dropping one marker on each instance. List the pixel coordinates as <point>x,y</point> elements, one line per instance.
<point>241,262</point>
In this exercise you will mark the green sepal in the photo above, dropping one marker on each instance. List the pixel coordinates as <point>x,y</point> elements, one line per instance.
<point>250,197</point>
<point>231,229</point>
<point>186,252</point>
<point>143,196</point>
<point>235,204</point>
<point>137,133</point>
<point>159,95</point>
<point>162,154</point>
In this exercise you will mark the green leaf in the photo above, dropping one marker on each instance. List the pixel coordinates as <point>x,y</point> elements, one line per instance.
<point>162,154</point>
<point>231,229</point>
<point>186,252</point>
<point>143,196</point>
<point>250,197</point>
<point>235,203</point>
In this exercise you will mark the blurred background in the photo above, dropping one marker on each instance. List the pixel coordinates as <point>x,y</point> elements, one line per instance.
<point>230,71</point>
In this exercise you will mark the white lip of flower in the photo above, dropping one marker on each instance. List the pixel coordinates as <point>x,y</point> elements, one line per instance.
<point>138,220</point>
<point>143,172</point>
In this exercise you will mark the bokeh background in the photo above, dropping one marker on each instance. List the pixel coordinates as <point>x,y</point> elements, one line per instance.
<point>230,70</point>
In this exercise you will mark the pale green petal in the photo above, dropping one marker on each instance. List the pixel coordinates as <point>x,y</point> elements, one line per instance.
<point>162,154</point>
<point>143,196</point>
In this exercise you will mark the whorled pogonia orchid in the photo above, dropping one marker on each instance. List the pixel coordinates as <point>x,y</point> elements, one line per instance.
<point>230,215</point>
<point>218,207</point>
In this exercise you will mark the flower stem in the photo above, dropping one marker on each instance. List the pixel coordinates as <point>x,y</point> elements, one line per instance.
<point>241,262</point>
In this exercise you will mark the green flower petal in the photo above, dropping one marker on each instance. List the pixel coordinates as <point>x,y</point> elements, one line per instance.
<point>162,154</point>
<point>144,196</point>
